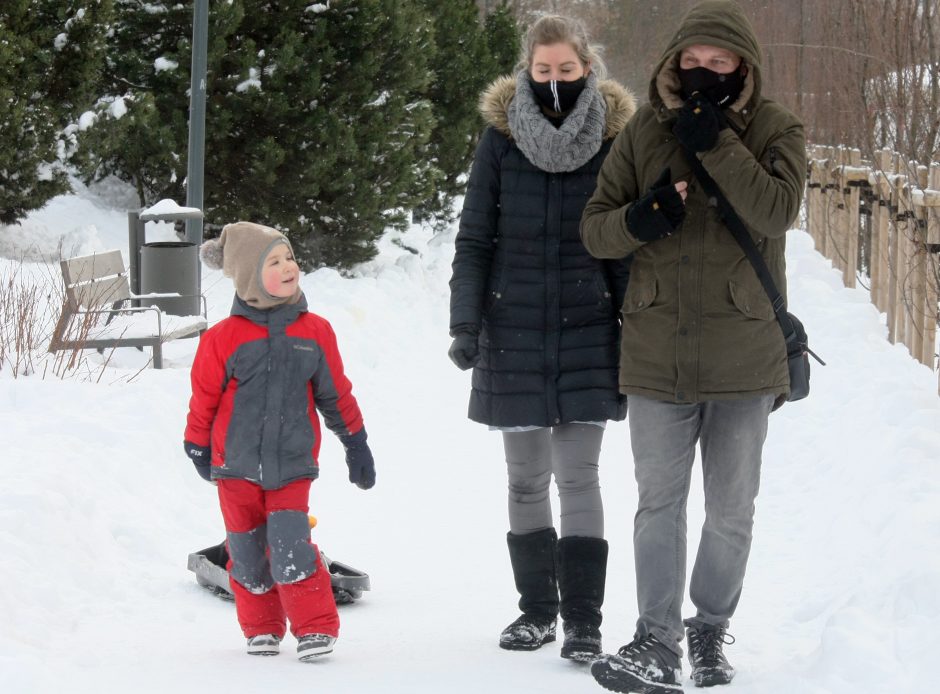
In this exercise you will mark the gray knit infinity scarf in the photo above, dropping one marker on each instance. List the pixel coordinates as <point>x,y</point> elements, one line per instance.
<point>557,149</point>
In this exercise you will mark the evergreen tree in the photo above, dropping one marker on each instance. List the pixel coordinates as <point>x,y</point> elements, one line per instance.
<point>334,137</point>
<point>503,38</point>
<point>317,119</point>
<point>50,52</point>
<point>462,67</point>
<point>141,126</point>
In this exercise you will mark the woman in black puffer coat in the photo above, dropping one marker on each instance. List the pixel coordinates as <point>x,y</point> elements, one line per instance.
<point>537,318</point>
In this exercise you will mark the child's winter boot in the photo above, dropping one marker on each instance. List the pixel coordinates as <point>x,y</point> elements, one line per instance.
<point>264,644</point>
<point>311,646</point>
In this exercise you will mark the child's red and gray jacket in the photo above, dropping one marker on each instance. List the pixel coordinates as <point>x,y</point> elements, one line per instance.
<point>258,379</point>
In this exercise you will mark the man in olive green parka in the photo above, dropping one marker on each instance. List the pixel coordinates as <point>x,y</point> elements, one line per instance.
<point>703,358</point>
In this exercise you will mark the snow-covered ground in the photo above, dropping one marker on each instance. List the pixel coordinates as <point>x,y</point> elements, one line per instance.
<point>99,508</point>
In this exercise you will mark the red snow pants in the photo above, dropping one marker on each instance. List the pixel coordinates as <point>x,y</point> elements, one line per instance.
<point>275,572</point>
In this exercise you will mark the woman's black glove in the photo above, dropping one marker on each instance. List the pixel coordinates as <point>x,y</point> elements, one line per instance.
<point>699,123</point>
<point>658,213</point>
<point>465,349</point>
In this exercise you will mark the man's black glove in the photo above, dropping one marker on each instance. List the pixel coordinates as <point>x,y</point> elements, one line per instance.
<point>699,123</point>
<point>658,213</point>
<point>359,459</point>
<point>465,349</point>
<point>201,457</point>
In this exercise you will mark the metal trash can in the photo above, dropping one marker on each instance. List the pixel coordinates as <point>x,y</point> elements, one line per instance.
<point>171,267</point>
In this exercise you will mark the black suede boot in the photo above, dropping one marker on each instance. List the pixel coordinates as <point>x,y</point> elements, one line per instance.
<point>582,574</point>
<point>533,566</point>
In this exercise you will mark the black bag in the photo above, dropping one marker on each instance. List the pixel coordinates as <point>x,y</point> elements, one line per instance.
<point>798,360</point>
<point>794,334</point>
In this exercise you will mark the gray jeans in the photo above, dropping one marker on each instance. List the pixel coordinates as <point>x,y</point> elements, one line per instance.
<point>570,452</point>
<point>663,434</point>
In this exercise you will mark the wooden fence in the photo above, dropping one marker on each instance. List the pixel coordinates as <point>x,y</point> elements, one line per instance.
<point>879,222</point>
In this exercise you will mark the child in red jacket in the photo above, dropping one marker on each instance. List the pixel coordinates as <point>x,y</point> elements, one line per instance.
<point>258,379</point>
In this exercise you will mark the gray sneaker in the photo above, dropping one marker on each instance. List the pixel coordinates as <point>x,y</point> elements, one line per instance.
<point>264,644</point>
<point>708,661</point>
<point>643,666</point>
<point>312,646</point>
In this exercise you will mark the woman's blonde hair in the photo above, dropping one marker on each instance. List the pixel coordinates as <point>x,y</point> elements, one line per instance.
<point>554,28</point>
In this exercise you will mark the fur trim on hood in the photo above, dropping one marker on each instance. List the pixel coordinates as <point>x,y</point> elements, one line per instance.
<point>494,105</point>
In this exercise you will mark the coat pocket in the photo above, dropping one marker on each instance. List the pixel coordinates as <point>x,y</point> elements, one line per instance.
<point>752,304</point>
<point>640,295</point>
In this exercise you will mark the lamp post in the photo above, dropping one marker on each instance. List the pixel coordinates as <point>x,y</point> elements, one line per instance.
<point>197,119</point>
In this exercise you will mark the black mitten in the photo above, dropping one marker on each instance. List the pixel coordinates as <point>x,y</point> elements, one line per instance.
<point>359,459</point>
<point>699,123</point>
<point>658,213</point>
<point>201,457</point>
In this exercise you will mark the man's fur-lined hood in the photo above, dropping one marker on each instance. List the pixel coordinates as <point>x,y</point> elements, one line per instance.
<point>494,105</point>
<point>719,23</point>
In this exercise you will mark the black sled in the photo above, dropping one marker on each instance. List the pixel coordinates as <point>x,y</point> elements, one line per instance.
<point>209,566</point>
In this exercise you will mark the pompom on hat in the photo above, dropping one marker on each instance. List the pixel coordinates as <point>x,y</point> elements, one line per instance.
<point>239,253</point>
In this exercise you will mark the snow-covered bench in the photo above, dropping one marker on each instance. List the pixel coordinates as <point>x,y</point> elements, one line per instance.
<point>96,287</point>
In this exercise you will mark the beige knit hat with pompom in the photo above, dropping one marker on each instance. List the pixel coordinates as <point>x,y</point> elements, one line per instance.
<point>239,253</point>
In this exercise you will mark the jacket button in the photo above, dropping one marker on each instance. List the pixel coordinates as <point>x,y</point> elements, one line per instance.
<point>685,260</point>
<point>680,395</point>
<point>683,331</point>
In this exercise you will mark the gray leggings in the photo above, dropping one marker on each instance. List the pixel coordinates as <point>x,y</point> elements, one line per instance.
<point>570,452</point>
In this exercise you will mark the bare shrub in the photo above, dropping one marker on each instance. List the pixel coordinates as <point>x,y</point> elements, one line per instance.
<point>31,297</point>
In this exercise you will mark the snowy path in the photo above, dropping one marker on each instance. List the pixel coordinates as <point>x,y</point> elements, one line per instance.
<point>99,508</point>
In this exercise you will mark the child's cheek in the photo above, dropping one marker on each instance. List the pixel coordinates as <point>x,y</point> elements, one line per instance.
<point>270,283</point>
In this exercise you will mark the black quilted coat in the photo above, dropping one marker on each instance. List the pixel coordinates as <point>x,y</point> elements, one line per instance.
<point>546,310</point>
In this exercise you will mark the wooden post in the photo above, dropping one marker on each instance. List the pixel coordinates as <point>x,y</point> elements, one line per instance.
<point>833,209</point>
<point>895,304</point>
<point>880,275</point>
<point>826,216</point>
<point>813,197</point>
<point>918,267</point>
<point>839,227</point>
<point>851,174</point>
<point>822,193</point>
<point>933,246</point>
<point>907,228</point>
<point>810,187</point>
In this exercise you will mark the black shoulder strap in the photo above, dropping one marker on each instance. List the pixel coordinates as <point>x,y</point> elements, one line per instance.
<point>741,235</point>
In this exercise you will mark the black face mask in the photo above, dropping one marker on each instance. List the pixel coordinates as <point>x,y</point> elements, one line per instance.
<point>558,96</point>
<point>721,90</point>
